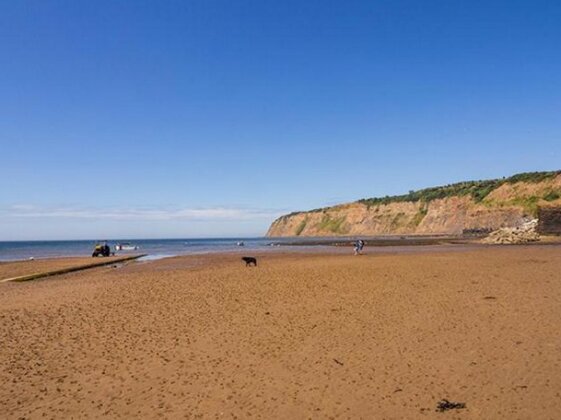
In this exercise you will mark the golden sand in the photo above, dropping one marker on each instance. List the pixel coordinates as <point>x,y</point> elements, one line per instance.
<point>300,336</point>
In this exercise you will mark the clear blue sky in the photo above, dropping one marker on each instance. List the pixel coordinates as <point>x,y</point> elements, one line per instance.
<point>210,118</point>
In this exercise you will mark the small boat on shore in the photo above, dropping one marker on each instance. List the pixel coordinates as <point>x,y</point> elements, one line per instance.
<point>126,246</point>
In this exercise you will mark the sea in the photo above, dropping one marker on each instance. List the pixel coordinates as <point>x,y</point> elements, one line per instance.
<point>162,248</point>
<point>153,248</point>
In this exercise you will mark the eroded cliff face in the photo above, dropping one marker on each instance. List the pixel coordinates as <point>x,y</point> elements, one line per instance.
<point>507,206</point>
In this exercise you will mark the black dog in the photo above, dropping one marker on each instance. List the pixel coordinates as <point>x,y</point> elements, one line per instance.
<point>249,261</point>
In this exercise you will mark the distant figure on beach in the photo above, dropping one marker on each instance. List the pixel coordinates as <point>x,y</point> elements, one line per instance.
<point>359,244</point>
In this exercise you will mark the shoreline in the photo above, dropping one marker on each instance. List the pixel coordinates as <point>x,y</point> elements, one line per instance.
<point>43,266</point>
<point>156,249</point>
<point>273,253</point>
<point>392,240</point>
<point>53,266</point>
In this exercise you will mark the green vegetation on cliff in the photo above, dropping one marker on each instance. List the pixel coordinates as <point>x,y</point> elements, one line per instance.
<point>332,225</point>
<point>477,189</point>
<point>530,204</point>
<point>552,196</point>
<point>301,227</point>
<point>423,210</point>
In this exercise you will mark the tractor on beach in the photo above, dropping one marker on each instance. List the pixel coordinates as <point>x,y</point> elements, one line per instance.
<point>101,250</point>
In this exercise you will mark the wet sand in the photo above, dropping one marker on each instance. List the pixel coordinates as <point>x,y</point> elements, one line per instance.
<point>11,269</point>
<point>300,336</point>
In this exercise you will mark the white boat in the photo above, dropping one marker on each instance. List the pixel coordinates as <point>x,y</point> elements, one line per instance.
<point>125,246</point>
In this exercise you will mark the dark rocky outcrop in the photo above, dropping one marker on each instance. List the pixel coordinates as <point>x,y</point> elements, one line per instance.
<point>549,220</point>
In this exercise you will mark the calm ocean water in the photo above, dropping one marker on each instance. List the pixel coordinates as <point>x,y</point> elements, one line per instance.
<point>161,248</point>
<point>155,248</point>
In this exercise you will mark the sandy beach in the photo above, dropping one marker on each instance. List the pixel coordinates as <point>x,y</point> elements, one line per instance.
<point>382,336</point>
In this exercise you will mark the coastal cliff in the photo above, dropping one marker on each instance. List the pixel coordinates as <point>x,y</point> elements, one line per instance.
<point>474,206</point>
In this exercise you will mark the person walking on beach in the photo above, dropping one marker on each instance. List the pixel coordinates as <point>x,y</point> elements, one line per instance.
<point>359,244</point>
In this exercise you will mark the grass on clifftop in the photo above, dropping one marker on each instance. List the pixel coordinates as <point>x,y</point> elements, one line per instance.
<point>477,189</point>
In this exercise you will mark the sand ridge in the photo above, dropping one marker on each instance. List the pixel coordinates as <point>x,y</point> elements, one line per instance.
<point>11,269</point>
<point>301,336</point>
